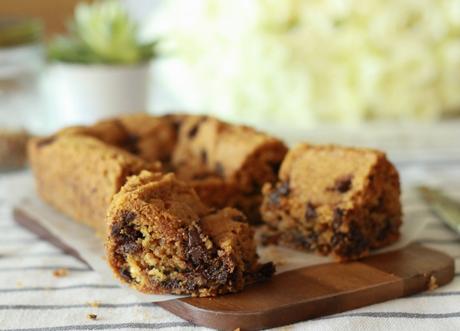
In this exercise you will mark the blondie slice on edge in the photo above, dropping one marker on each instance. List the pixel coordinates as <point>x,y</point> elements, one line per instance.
<point>334,200</point>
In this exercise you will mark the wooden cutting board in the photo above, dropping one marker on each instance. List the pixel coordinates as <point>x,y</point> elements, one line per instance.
<point>305,293</point>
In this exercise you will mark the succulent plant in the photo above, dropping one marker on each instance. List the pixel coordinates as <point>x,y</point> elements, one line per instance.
<point>101,32</point>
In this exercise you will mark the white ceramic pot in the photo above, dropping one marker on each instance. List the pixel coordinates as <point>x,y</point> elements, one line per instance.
<point>83,94</point>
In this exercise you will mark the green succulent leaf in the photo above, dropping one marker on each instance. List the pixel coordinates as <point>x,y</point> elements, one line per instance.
<point>101,32</point>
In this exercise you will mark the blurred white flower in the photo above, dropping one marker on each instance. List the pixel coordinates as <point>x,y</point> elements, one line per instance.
<point>295,61</point>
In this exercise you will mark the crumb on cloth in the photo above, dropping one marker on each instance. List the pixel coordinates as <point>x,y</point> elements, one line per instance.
<point>61,272</point>
<point>91,316</point>
<point>432,283</point>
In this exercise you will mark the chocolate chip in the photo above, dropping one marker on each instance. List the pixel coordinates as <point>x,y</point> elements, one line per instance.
<point>129,248</point>
<point>310,211</point>
<point>125,234</point>
<point>338,214</point>
<point>170,283</point>
<point>126,274</point>
<point>384,231</point>
<point>204,156</point>
<point>265,271</point>
<point>131,144</point>
<point>342,184</point>
<point>193,131</point>
<point>219,169</point>
<point>239,218</point>
<point>217,272</point>
<point>191,285</point>
<point>128,216</point>
<point>45,141</point>
<point>275,166</point>
<point>196,253</point>
<point>307,241</point>
<point>200,175</point>
<point>337,238</point>
<point>193,237</point>
<point>356,243</point>
<point>270,239</point>
<point>336,223</point>
<point>176,124</point>
<point>280,191</point>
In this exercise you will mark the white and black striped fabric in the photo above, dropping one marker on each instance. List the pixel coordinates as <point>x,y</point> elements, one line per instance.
<point>33,299</point>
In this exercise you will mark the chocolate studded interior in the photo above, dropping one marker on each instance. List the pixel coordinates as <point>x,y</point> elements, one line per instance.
<point>164,240</point>
<point>341,208</point>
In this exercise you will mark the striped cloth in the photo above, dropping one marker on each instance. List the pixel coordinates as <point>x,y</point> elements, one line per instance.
<point>33,298</point>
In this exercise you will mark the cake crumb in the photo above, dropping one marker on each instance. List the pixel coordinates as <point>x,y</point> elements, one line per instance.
<point>61,272</point>
<point>432,284</point>
<point>94,304</point>
<point>91,316</point>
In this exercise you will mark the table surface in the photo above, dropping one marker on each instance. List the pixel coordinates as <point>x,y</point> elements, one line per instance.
<point>32,298</point>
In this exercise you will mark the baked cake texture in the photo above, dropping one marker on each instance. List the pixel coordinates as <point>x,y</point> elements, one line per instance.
<point>227,164</point>
<point>334,200</point>
<point>163,239</point>
<point>79,174</point>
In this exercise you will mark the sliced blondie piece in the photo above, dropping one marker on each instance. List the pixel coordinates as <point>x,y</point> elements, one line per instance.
<point>227,164</point>
<point>79,174</point>
<point>163,239</point>
<point>334,200</point>
<point>153,138</point>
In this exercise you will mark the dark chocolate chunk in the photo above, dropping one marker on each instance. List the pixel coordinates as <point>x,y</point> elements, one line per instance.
<point>307,241</point>
<point>126,274</point>
<point>337,238</point>
<point>201,175</point>
<point>356,242</point>
<point>129,247</point>
<point>338,214</point>
<point>265,271</point>
<point>193,131</point>
<point>45,141</point>
<point>217,272</point>
<point>310,211</point>
<point>196,253</point>
<point>342,184</point>
<point>280,191</point>
<point>204,156</point>
<point>191,284</point>
<point>336,223</point>
<point>171,283</point>
<point>131,144</point>
<point>275,166</point>
<point>384,231</point>
<point>176,124</point>
<point>128,216</point>
<point>125,234</point>
<point>239,218</point>
<point>219,169</point>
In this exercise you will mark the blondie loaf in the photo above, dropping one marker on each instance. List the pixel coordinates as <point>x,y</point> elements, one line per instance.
<point>226,164</point>
<point>163,239</point>
<point>334,200</point>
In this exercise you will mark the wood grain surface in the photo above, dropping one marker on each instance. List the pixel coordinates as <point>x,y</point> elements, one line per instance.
<point>305,293</point>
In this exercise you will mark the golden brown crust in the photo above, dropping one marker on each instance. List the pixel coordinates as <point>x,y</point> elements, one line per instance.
<point>227,164</point>
<point>78,174</point>
<point>334,200</point>
<point>163,239</point>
